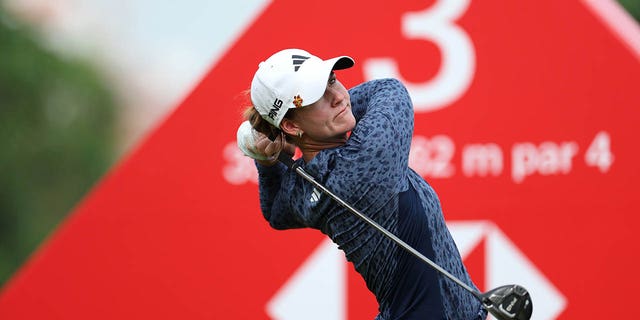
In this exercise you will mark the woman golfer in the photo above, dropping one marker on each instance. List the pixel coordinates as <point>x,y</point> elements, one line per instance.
<point>355,142</point>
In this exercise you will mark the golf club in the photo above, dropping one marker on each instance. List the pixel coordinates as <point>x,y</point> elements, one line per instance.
<point>504,303</point>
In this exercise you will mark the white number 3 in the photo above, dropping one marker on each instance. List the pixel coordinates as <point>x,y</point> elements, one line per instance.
<point>458,56</point>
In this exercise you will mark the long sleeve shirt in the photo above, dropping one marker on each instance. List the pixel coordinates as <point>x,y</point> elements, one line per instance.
<point>370,172</point>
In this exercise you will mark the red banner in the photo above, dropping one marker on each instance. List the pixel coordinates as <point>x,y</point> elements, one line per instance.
<point>526,122</point>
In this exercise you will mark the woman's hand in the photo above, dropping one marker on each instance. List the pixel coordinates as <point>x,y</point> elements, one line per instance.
<point>270,149</point>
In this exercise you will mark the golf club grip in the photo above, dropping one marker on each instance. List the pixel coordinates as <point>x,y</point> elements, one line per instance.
<point>283,157</point>
<point>286,159</point>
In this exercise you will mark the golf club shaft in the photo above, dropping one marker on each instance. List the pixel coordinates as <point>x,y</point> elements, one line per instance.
<point>285,159</point>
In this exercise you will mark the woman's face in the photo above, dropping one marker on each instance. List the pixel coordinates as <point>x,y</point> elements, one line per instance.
<point>328,118</point>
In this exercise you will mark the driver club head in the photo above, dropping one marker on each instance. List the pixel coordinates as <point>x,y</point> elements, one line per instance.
<point>508,302</point>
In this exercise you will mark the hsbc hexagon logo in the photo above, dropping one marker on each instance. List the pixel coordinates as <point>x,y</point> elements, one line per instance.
<point>317,290</point>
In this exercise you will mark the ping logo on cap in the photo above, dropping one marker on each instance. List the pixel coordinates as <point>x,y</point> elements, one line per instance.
<point>298,60</point>
<point>273,112</point>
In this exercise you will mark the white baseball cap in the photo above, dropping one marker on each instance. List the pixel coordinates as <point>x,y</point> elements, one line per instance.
<point>291,78</point>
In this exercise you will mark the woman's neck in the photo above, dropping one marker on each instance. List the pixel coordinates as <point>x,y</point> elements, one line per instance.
<point>311,148</point>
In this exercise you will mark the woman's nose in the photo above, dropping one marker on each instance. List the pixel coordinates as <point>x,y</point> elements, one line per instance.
<point>338,98</point>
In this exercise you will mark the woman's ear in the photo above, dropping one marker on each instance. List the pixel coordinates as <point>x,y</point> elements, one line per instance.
<point>289,127</point>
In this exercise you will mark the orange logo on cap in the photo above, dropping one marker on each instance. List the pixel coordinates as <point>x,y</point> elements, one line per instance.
<point>297,101</point>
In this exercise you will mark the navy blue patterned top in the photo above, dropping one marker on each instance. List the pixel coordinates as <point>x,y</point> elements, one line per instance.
<point>371,173</point>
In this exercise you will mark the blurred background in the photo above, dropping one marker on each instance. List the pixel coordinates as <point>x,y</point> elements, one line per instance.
<point>81,83</point>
